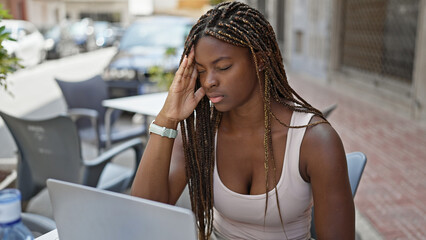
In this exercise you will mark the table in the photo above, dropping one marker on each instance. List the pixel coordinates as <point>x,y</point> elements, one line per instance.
<point>9,178</point>
<point>52,235</point>
<point>147,105</point>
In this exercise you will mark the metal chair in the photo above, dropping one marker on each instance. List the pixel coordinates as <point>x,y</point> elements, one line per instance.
<point>356,162</point>
<point>38,224</point>
<point>328,110</point>
<point>84,101</point>
<point>50,148</point>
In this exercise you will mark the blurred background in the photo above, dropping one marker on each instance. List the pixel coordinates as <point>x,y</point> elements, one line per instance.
<point>376,46</point>
<point>366,56</point>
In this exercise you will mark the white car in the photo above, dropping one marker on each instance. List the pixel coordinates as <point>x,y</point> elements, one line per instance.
<point>29,46</point>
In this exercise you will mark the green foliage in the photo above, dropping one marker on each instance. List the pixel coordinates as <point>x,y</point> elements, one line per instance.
<point>215,2</point>
<point>159,74</point>
<point>8,63</point>
<point>171,51</point>
<point>4,13</point>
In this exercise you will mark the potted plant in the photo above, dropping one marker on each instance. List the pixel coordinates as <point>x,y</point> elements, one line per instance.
<point>8,63</point>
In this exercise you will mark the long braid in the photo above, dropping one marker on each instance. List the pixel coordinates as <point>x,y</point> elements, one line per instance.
<point>240,25</point>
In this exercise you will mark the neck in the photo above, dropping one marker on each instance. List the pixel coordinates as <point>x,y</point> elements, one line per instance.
<point>252,118</point>
<point>247,118</point>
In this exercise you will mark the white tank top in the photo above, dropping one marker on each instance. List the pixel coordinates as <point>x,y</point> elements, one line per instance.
<point>240,216</point>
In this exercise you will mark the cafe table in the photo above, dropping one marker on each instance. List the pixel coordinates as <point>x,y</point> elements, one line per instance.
<point>52,235</point>
<point>148,105</point>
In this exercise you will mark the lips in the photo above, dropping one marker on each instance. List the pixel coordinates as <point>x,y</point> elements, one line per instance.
<point>216,98</point>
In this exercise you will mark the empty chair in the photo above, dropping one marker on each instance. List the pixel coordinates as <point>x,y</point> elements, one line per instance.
<point>356,162</point>
<point>328,110</point>
<point>84,102</point>
<point>38,224</point>
<point>50,148</point>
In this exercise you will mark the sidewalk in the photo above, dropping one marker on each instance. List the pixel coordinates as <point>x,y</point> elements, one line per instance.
<point>392,192</point>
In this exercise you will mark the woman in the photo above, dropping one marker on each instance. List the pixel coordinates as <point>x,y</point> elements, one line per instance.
<point>255,155</point>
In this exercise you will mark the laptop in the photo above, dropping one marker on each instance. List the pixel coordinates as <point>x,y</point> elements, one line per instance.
<point>83,212</point>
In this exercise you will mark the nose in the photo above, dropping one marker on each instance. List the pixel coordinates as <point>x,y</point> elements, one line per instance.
<point>209,81</point>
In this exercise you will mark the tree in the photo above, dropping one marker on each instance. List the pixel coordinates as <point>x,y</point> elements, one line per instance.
<point>215,2</point>
<point>8,63</point>
<point>160,75</point>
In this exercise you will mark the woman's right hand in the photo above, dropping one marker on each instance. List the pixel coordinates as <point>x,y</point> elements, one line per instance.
<point>181,100</point>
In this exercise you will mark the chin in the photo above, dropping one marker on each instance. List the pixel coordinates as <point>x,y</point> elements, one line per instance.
<point>221,108</point>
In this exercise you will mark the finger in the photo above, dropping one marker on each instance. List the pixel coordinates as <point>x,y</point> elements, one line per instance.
<point>190,64</point>
<point>199,94</point>
<point>191,56</point>
<point>186,74</point>
<point>181,68</point>
<point>188,71</point>
<point>193,78</point>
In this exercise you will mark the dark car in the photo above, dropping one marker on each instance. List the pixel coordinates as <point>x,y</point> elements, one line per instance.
<point>155,41</point>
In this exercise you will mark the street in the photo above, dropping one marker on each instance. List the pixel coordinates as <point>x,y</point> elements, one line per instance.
<point>36,94</point>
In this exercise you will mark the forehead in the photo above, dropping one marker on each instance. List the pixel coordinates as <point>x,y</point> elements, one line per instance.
<point>208,48</point>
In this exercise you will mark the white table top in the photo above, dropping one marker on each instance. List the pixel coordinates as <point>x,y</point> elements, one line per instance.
<point>147,104</point>
<point>52,235</point>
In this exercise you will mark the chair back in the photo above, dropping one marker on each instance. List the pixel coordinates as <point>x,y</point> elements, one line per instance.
<point>327,111</point>
<point>47,148</point>
<point>38,224</point>
<point>86,94</point>
<point>356,163</point>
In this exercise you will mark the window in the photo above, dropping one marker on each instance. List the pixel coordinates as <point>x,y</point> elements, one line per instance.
<point>379,37</point>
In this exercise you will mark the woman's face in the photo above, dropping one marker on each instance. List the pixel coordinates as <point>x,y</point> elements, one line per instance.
<point>227,73</point>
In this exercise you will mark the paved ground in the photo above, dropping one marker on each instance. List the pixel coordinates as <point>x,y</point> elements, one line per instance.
<point>392,192</point>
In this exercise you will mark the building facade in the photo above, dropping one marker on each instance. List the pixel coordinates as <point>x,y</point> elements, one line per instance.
<point>376,48</point>
<point>17,8</point>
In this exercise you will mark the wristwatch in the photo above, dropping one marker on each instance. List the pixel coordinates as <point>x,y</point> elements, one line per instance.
<point>162,131</point>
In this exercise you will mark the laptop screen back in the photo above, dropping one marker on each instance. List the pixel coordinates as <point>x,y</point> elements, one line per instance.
<point>83,212</point>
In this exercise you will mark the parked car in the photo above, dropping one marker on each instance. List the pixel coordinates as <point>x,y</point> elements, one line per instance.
<point>118,33</point>
<point>104,33</point>
<point>29,46</point>
<point>83,33</point>
<point>151,41</point>
<point>59,42</point>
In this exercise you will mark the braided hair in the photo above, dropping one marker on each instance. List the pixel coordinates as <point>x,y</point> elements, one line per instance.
<point>240,25</point>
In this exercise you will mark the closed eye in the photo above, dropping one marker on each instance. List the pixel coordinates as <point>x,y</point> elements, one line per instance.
<point>225,68</point>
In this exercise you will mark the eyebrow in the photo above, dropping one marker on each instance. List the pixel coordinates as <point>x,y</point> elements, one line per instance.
<point>215,61</point>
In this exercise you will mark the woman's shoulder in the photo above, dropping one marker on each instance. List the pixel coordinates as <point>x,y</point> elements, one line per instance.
<point>321,133</point>
<point>321,147</point>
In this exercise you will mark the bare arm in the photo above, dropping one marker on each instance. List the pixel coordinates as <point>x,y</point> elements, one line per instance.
<point>161,173</point>
<point>326,169</point>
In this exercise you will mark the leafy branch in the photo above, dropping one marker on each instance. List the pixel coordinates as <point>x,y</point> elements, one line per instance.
<point>8,63</point>
<point>159,74</point>
<point>215,2</point>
